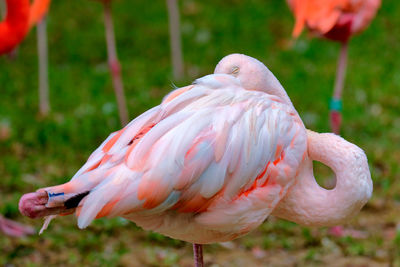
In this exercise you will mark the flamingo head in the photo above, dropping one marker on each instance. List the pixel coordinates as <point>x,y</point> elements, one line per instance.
<point>252,74</point>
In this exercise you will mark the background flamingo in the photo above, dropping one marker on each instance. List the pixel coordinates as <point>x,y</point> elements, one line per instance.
<point>20,18</point>
<point>336,20</point>
<point>12,31</point>
<point>212,162</point>
<point>15,25</point>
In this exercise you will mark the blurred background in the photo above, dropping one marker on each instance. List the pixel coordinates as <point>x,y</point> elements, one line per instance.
<point>36,151</point>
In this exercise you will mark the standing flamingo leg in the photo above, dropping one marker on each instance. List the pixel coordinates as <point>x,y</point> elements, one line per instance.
<point>114,64</point>
<point>175,39</point>
<point>44,104</point>
<point>336,101</point>
<point>198,255</point>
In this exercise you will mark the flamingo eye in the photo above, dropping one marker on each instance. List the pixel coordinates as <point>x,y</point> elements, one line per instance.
<point>235,70</point>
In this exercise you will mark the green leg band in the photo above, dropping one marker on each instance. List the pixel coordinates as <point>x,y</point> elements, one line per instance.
<point>335,104</point>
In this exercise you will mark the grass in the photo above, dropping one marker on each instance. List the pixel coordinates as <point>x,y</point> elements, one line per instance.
<point>36,151</point>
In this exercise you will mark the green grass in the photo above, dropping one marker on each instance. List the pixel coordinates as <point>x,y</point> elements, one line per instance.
<point>36,151</point>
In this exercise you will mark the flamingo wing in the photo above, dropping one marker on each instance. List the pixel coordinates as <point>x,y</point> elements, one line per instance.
<point>206,145</point>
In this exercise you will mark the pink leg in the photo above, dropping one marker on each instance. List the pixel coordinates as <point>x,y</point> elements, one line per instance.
<point>175,39</point>
<point>336,102</point>
<point>336,120</point>
<point>44,104</point>
<point>198,255</point>
<point>14,229</point>
<point>113,62</point>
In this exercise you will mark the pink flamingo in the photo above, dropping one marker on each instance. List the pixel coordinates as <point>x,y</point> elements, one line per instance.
<point>211,162</point>
<point>336,20</point>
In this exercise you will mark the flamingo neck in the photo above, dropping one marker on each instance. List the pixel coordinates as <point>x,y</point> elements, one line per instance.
<point>274,87</point>
<point>309,204</point>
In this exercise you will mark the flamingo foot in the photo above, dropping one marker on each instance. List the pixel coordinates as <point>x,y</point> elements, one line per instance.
<point>15,229</point>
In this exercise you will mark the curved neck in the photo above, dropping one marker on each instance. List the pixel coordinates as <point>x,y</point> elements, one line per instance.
<point>274,87</point>
<point>309,204</point>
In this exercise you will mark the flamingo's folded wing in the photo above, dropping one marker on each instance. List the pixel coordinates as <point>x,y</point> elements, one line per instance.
<point>197,147</point>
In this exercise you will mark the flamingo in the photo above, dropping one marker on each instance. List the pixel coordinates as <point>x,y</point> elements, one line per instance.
<point>21,16</point>
<point>335,20</point>
<point>12,31</point>
<point>15,25</point>
<point>211,162</point>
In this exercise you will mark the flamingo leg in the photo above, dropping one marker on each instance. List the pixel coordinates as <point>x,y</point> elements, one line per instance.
<point>44,105</point>
<point>336,101</point>
<point>14,229</point>
<point>198,255</point>
<point>175,39</point>
<point>114,64</point>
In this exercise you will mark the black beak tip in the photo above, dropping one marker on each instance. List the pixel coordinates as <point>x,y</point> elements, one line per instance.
<point>73,202</point>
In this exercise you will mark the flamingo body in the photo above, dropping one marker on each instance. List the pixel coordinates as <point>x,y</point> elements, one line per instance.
<point>15,25</point>
<point>207,165</point>
<point>337,20</point>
